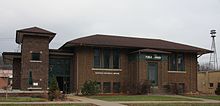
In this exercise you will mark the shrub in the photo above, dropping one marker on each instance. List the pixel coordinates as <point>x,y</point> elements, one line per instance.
<point>217,91</point>
<point>90,88</point>
<point>140,88</point>
<point>54,91</point>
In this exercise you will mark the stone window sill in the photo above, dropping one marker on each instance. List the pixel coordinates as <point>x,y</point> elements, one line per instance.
<point>183,72</point>
<point>106,69</point>
<point>34,88</point>
<point>35,61</point>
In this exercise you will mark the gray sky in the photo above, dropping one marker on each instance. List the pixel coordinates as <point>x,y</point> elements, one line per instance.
<point>183,21</point>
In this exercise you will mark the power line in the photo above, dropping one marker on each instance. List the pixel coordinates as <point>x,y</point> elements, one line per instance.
<point>6,38</point>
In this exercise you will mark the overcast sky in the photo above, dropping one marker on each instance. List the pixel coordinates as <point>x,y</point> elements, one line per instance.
<point>183,21</point>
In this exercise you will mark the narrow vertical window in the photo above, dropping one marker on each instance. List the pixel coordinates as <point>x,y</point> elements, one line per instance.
<point>180,62</point>
<point>30,80</point>
<point>106,57</point>
<point>97,58</point>
<point>116,56</point>
<point>172,63</point>
<point>116,87</point>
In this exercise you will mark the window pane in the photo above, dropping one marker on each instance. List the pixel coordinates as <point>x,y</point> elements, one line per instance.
<point>99,86</point>
<point>106,87</point>
<point>116,87</point>
<point>30,80</point>
<point>116,56</point>
<point>211,84</point>
<point>35,56</point>
<point>106,58</point>
<point>172,63</point>
<point>97,58</point>
<point>180,62</point>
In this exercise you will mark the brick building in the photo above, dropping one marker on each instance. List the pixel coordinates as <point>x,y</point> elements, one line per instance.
<point>117,63</point>
<point>5,78</point>
<point>208,81</point>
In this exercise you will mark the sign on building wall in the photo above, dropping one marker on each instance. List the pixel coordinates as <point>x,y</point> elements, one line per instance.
<point>153,57</point>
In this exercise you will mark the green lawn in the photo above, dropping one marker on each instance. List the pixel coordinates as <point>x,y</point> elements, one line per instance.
<point>22,99</point>
<point>140,98</point>
<point>208,97</point>
<point>174,104</point>
<point>81,104</point>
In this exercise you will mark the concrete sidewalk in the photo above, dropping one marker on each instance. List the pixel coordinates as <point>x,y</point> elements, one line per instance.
<point>96,101</point>
<point>84,100</point>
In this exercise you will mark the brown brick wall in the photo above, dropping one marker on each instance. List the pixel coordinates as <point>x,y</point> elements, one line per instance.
<point>85,65</point>
<point>138,74</point>
<point>39,69</point>
<point>16,81</point>
<point>190,77</point>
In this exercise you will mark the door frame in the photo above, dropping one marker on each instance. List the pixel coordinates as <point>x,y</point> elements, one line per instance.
<point>157,78</point>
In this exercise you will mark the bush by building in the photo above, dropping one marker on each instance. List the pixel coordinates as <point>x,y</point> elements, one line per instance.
<point>90,88</point>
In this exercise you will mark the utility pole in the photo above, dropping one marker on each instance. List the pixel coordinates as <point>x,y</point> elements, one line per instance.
<point>213,61</point>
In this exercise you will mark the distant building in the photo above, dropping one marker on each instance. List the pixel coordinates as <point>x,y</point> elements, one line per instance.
<point>208,81</point>
<point>5,78</point>
<point>117,63</point>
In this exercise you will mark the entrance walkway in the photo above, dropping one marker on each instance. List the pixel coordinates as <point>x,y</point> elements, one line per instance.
<point>119,103</point>
<point>96,101</point>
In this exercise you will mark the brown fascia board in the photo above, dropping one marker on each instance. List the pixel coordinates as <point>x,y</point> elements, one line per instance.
<point>201,51</point>
<point>20,34</point>
<point>9,56</point>
<point>60,52</point>
<point>90,41</point>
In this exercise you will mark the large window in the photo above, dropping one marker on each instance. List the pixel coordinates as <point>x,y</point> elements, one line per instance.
<point>176,62</point>
<point>106,58</point>
<point>97,58</point>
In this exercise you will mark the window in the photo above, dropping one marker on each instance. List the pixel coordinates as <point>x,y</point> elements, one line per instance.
<point>176,62</point>
<point>30,80</point>
<point>116,58</point>
<point>180,62</point>
<point>99,86</point>
<point>97,58</point>
<point>35,56</point>
<point>106,87</point>
<point>211,85</point>
<point>116,87</point>
<point>106,58</point>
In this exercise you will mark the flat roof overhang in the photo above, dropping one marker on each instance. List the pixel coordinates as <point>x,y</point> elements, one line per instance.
<point>198,52</point>
<point>9,56</point>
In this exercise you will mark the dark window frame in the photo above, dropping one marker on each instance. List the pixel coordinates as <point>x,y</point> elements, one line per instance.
<point>175,64</point>
<point>107,87</point>
<point>36,56</point>
<point>116,87</point>
<point>211,85</point>
<point>107,58</point>
<point>97,58</point>
<point>116,58</point>
<point>30,78</point>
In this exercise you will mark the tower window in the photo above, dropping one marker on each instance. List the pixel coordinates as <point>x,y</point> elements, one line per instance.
<point>35,56</point>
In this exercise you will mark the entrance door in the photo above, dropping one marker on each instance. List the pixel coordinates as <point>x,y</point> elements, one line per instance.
<point>63,83</point>
<point>60,83</point>
<point>152,72</point>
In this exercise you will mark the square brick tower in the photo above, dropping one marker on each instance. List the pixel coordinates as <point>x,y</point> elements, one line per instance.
<point>34,57</point>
